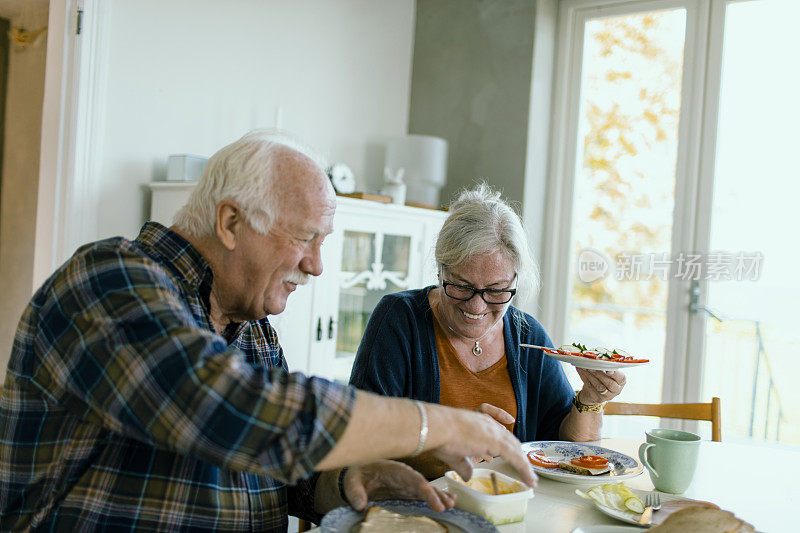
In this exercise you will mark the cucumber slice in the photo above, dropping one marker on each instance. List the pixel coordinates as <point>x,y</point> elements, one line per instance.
<point>634,505</point>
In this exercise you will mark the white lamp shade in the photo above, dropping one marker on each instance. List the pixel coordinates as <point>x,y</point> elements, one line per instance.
<point>424,157</point>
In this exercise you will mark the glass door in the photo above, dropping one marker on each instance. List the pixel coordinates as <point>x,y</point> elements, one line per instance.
<point>625,173</point>
<point>746,300</point>
<point>625,89</point>
<point>675,180</point>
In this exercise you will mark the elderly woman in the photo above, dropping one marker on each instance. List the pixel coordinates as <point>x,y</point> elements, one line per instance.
<point>457,343</point>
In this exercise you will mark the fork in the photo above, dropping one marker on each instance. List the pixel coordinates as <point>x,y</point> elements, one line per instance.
<point>655,500</point>
<point>652,503</point>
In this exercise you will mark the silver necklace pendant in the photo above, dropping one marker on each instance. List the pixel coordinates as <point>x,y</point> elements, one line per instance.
<point>476,350</point>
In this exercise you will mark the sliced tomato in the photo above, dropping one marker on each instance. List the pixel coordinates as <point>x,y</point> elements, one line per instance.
<point>538,458</point>
<point>636,361</point>
<point>588,355</point>
<point>590,461</point>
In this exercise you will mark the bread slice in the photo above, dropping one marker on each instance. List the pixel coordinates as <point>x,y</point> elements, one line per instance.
<point>702,519</point>
<point>575,469</point>
<point>380,520</point>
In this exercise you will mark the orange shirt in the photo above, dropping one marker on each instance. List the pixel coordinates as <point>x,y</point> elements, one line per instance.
<point>461,387</point>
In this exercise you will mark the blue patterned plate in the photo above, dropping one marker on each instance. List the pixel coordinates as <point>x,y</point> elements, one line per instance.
<point>346,519</point>
<point>625,466</point>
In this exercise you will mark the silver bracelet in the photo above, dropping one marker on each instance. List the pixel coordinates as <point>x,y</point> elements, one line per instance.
<point>423,428</point>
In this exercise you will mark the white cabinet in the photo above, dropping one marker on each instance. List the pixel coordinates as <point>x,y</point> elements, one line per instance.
<point>375,249</point>
<point>167,197</point>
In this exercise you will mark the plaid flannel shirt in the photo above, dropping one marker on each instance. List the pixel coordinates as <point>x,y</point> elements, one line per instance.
<point>123,409</point>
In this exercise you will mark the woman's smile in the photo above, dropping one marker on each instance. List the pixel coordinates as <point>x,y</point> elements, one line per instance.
<point>471,316</point>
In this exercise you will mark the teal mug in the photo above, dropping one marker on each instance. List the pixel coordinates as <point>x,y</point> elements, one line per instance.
<point>671,458</point>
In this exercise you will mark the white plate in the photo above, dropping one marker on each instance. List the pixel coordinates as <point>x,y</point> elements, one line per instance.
<point>584,362</point>
<point>633,518</point>
<point>624,516</point>
<point>625,466</point>
<point>345,519</point>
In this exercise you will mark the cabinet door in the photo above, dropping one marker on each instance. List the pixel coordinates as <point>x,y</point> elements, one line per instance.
<point>376,254</point>
<point>294,329</point>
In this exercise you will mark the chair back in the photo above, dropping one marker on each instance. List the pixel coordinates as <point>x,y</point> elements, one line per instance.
<point>686,411</point>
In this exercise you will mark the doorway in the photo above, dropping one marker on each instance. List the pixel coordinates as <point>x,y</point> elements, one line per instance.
<point>5,26</point>
<point>672,176</point>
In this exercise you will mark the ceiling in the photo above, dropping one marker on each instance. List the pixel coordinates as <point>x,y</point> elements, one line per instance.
<point>14,8</point>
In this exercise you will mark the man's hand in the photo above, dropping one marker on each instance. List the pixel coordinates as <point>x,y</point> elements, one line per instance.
<point>381,428</point>
<point>458,434</point>
<point>384,480</point>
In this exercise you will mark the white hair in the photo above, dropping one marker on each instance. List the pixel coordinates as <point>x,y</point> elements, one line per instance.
<point>242,172</point>
<point>481,222</point>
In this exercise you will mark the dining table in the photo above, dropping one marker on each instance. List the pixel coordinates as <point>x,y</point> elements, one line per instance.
<point>758,483</point>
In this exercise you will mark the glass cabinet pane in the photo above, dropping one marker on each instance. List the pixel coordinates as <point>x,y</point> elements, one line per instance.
<point>396,249</point>
<point>358,252</point>
<point>363,281</point>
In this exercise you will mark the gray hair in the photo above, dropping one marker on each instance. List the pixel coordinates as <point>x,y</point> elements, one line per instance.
<point>481,222</point>
<point>242,172</point>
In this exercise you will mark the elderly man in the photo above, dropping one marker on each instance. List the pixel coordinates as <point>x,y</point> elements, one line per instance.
<point>147,390</point>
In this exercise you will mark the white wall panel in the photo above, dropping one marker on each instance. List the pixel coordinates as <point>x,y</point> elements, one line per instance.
<point>191,76</point>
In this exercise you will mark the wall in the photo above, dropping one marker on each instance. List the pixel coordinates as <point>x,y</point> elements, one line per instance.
<point>20,180</point>
<point>471,84</point>
<point>192,76</point>
<point>482,77</point>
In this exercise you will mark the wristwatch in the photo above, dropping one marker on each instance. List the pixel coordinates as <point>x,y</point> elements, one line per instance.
<point>587,407</point>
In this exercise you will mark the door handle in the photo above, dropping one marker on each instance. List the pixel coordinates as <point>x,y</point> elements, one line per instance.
<point>331,323</point>
<point>695,307</point>
<point>319,329</point>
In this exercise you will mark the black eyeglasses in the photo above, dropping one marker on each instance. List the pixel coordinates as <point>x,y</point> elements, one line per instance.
<point>490,296</point>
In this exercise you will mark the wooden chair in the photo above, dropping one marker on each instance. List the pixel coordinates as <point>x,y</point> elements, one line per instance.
<point>688,411</point>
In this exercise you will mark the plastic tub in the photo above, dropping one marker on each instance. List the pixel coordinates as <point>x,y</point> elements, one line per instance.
<point>496,508</point>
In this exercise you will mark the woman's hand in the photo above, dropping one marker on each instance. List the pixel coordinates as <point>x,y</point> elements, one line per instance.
<point>600,386</point>
<point>384,480</point>
<point>501,415</point>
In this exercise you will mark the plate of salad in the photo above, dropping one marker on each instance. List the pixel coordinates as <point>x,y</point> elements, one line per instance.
<point>578,355</point>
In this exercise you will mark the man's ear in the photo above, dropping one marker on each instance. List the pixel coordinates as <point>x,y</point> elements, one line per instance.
<point>228,223</point>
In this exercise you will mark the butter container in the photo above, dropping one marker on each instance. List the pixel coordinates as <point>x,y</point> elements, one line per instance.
<point>476,496</point>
